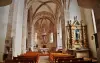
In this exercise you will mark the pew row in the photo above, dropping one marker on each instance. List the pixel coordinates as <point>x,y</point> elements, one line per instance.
<point>28,57</point>
<point>53,57</point>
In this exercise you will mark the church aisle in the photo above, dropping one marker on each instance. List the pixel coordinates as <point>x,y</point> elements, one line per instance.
<point>44,59</point>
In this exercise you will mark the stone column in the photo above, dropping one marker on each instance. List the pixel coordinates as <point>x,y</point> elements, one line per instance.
<point>29,28</point>
<point>9,26</point>
<point>9,30</point>
<point>55,36</point>
<point>32,37</point>
<point>66,14</point>
<point>24,30</point>
<point>4,13</point>
<point>59,35</point>
<point>17,26</point>
<point>63,31</point>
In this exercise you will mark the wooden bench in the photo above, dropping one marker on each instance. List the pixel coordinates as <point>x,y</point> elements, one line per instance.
<point>69,59</point>
<point>30,56</point>
<point>81,61</point>
<point>26,58</point>
<point>55,56</point>
<point>19,61</point>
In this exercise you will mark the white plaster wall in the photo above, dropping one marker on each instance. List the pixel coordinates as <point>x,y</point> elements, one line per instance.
<point>4,12</point>
<point>90,31</point>
<point>74,10</point>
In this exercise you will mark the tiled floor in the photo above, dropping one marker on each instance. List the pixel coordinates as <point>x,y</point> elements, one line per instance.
<point>44,59</point>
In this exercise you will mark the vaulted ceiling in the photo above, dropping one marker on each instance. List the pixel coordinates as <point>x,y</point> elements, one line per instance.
<point>45,12</point>
<point>44,16</point>
<point>46,9</point>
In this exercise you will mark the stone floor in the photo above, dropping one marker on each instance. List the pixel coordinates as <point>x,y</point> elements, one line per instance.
<point>44,59</point>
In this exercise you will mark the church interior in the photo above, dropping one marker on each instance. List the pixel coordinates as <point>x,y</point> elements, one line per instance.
<point>49,31</point>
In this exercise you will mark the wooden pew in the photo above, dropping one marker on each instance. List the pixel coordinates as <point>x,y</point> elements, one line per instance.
<point>78,62</point>
<point>19,61</point>
<point>30,55</point>
<point>73,60</point>
<point>55,56</point>
<point>60,60</point>
<point>26,59</point>
<point>11,61</point>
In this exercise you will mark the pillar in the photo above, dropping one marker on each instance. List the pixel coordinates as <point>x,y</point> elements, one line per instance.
<point>63,31</point>
<point>66,15</point>
<point>29,28</point>
<point>62,19</point>
<point>55,36</point>
<point>24,30</point>
<point>9,25</point>
<point>59,35</point>
<point>32,37</point>
<point>4,12</point>
<point>17,26</point>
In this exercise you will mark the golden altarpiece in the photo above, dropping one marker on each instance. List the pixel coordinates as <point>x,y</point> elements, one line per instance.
<point>77,36</point>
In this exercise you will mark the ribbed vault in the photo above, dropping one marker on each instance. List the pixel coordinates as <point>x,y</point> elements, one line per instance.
<point>44,17</point>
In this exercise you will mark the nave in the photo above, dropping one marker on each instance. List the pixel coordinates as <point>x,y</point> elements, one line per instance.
<point>58,29</point>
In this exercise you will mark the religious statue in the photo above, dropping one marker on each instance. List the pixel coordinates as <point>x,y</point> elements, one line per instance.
<point>77,34</point>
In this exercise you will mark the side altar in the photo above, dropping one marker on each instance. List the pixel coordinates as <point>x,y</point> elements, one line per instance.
<point>77,38</point>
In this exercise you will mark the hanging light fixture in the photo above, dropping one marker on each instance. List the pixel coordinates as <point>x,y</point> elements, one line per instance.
<point>5,2</point>
<point>87,3</point>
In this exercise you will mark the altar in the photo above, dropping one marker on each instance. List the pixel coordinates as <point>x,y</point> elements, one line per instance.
<point>44,50</point>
